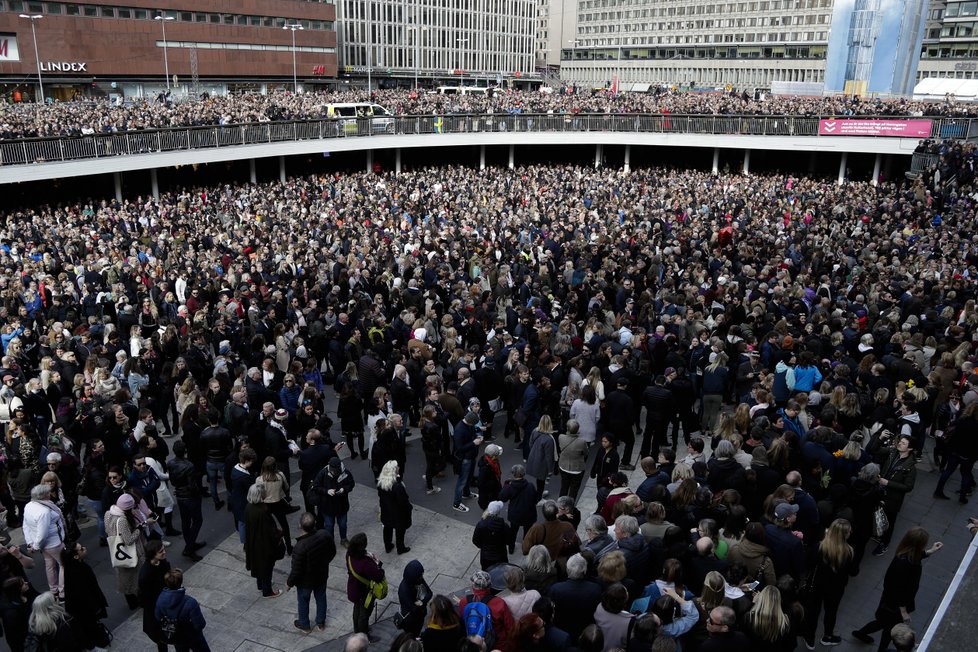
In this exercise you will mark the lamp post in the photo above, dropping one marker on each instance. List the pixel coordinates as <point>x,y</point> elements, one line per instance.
<point>293,27</point>
<point>417,50</point>
<point>166,63</point>
<point>37,57</point>
<point>461,41</point>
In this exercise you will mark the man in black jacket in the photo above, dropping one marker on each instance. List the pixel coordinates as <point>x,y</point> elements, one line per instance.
<point>216,444</point>
<point>186,489</point>
<point>575,599</point>
<point>313,552</point>
<point>467,440</point>
<point>619,408</point>
<point>314,459</point>
<point>659,408</point>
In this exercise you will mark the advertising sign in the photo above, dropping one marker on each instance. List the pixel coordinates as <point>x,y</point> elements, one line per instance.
<point>890,128</point>
<point>8,48</point>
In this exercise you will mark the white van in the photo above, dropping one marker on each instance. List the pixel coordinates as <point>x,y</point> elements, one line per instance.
<point>354,116</point>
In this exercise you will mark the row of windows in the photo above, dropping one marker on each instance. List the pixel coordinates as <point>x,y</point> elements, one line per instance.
<point>957,30</point>
<point>140,13</point>
<point>243,46</point>
<point>685,9</point>
<point>958,51</point>
<point>738,37</point>
<point>963,9</point>
<point>709,24</point>
<point>641,54</point>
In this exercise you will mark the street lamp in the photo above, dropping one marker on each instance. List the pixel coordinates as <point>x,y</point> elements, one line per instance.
<point>417,50</point>
<point>37,57</point>
<point>293,27</point>
<point>461,41</point>
<point>166,63</point>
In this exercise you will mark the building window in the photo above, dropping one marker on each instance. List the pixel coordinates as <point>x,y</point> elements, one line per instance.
<point>124,12</point>
<point>56,8</point>
<point>90,11</point>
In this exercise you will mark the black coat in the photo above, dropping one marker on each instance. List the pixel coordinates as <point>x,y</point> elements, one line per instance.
<point>574,604</point>
<point>395,506</point>
<point>261,540</point>
<point>522,498</point>
<point>311,557</point>
<point>491,536</point>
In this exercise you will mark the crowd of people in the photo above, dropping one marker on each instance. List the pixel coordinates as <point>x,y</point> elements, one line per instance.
<point>100,116</point>
<point>774,352</point>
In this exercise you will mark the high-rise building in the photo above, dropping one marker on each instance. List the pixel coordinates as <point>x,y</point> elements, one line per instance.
<point>950,46</point>
<point>436,41</point>
<point>556,26</point>
<point>744,43</point>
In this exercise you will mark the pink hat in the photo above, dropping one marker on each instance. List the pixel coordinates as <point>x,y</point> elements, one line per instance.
<point>125,502</point>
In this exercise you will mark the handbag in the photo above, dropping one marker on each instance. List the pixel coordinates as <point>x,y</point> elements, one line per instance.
<point>520,417</point>
<point>881,523</point>
<point>495,405</point>
<point>375,590</point>
<point>121,554</point>
<point>102,635</point>
<point>399,619</point>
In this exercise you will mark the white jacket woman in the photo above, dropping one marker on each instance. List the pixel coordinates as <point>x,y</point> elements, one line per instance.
<point>44,531</point>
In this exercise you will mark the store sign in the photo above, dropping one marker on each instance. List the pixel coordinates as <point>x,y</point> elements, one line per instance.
<point>891,128</point>
<point>64,66</point>
<point>8,48</point>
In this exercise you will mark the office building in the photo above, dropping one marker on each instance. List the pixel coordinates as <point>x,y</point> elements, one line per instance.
<point>950,47</point>
<point>394,42</point>
<point>97,48</point>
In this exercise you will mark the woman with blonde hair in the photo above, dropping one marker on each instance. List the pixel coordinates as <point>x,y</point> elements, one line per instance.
<point>594,380</point>
<point>828,583</point>
<point>766,624</point>
<point>184,395</point>
<point>542,454</point>
<point>395,507</point>
<point>742,419</point>
<point>276,497</point>
<point>48,627</point>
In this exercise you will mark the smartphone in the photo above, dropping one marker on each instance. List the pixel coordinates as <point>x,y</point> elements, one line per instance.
<point>753,585</point>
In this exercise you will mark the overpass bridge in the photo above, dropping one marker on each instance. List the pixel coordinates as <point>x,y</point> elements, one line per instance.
<point>40,159</point>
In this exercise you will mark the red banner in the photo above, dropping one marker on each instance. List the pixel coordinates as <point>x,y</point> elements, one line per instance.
<point>891,128</point>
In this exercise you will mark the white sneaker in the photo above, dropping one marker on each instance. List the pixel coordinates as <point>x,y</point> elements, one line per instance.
<point>433,490</point>
<point>460,508</point>
<point>166,544</point>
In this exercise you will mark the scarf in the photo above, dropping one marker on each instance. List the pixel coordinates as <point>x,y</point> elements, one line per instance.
<point>493,464</point>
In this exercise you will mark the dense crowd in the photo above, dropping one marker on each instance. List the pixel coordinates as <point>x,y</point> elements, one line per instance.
<point>774,352</point>
<point>86,117</point>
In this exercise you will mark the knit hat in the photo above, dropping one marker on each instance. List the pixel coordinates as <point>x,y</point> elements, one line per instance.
<point>495,508</point>
<point>481,580</point>
<point>335,464</point>
<point>125,502</point>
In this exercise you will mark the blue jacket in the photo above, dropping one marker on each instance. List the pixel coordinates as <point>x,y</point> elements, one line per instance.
<point>176,604</point>
<point>807,378</point>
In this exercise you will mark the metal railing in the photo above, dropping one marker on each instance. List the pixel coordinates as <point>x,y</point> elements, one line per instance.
<point>46,150</point>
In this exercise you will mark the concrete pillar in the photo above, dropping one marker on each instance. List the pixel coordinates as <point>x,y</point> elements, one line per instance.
<point>482,157</point>
<point>888,166</point>
<point>512,156</point>
<point>842,167</point>
<point>746,161</point>
<point>876,168</point>
<point>117,177</point>
<point>370,161</point>
<point>812,158</point>
<point>154,183</point>
<point>397,160</point>
<point>628,158</point>
<point>716,160</point>
<point>598,155</point>
<point>281,169</point>
<point>252,172</point>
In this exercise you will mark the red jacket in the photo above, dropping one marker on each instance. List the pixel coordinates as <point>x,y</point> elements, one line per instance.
<point>502,620</point>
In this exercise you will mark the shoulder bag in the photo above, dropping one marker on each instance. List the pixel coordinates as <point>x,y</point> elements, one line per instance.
<point>375,590</point>
<point>121,554</point>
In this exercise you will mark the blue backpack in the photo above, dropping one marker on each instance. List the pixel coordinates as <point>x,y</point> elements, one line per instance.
<point>478,619</point>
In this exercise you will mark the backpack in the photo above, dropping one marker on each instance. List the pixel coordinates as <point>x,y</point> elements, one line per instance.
<point>169,629</point>
<point>477,618</point>
<point>170,626</point>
